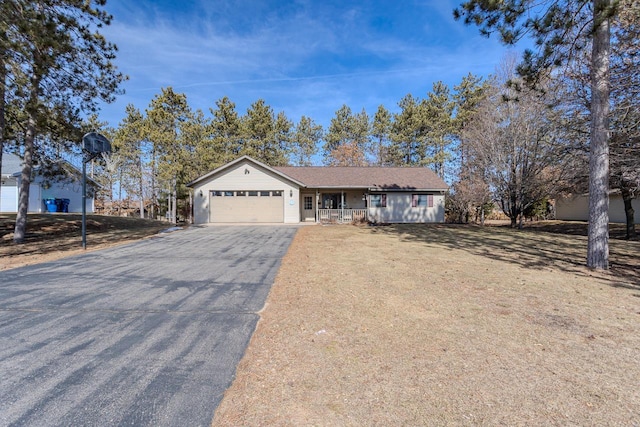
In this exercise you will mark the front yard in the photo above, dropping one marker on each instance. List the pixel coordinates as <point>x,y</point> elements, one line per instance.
<point>443,325</point>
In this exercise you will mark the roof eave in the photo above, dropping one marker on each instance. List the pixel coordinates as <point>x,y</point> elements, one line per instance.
<point>239,160</point>
<point>383,189</point>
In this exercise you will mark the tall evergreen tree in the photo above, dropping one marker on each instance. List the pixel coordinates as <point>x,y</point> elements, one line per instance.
<point>225,132</point>
<point>408,134</point>
<point>347,140</point>
<point>166,116</point>
<point>439,122</point>
<point>380,132</point>
<point>561,28</point>
<point>61,64</point>
<point>306,137</point>
<point>265,136</point>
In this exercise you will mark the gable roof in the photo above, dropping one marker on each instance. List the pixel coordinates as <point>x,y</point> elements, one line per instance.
<point>229,165</point>
<point>371,177</point>
<point>12,167</point>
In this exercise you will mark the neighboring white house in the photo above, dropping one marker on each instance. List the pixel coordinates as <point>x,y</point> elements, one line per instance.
<point>69,188</point>
<point>577,208</point>
<point>246,190</point>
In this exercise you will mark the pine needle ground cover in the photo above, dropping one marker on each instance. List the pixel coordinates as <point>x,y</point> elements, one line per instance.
<point>53,236</point>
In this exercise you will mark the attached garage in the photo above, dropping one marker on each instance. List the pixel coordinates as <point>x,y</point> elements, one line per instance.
<point>246,191</point>
<point>246,206</point>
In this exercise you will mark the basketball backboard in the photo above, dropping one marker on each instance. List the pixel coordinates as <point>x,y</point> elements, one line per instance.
<point>95,143</point>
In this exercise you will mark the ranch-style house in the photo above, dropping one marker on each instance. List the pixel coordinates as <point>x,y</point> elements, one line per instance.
<point>246,190</point>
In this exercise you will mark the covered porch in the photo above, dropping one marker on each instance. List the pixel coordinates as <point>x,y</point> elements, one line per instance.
<point>334,205</point>
<point>342,215</point>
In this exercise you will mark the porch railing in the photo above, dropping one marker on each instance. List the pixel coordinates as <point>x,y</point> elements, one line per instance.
<point>342,215</point>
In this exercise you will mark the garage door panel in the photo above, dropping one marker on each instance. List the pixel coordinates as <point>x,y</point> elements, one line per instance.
<point>9,198</point>
<point>246,209</point>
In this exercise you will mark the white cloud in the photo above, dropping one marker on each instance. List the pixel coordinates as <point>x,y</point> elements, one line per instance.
<point>305,59</point>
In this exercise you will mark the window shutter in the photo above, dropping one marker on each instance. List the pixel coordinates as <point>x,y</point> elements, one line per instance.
<point>384,200</point>
<point>430,200</point>
<point>414,200</point>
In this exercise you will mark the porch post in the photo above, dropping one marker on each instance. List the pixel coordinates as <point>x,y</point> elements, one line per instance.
<point>315,205</point>
<point>341,206</point>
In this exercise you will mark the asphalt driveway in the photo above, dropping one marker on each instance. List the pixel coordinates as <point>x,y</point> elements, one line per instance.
<point>147,334</point>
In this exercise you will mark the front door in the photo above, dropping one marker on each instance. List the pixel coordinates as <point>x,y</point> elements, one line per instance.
<point>308,212</point>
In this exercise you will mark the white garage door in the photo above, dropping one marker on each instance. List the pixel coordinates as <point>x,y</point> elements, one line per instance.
<point>246,206</point>
<point>9,198</point>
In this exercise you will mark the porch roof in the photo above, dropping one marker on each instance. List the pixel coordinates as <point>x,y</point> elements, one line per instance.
<point>377,178</point>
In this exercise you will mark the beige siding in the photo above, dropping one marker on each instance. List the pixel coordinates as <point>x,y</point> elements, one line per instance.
<point>577,209</point>
<point>246,176</point>
<point>399,210</point>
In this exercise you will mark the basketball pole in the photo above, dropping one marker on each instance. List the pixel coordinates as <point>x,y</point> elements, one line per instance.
<point>94,144</point>
<point>84,203</point>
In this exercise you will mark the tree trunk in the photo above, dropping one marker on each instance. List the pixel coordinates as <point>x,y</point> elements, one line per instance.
<point>153,184</point>
<point>119,193</point>
<point>141,188</point>
<point>20,230</point>
<point>598,235</point>
<point>3,81</point>
<point>174,195</point>
<point>628,210</point>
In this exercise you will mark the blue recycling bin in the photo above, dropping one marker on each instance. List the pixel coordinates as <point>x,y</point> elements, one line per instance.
<point>51,205</point>
<point>65,205</point>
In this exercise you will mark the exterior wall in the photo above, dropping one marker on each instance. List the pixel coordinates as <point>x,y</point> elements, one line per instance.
<point>577,209</point>
<point>71,190</point>
<point>246,176</point>
<point>399,210</point>
<point>8,195</point>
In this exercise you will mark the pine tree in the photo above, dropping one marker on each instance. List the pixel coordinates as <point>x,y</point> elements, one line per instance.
<point>60,65</point>
<point>306,137</point>
<point>561,29</point>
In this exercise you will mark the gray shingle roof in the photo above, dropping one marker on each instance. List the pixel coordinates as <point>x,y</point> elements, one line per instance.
<point>397,178</point>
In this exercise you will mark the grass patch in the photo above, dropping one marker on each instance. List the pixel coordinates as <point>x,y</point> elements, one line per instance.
<point>51,236</point>
<point>443,325</point>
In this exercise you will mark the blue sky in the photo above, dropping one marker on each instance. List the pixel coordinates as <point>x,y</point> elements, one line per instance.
<point>303,57</point>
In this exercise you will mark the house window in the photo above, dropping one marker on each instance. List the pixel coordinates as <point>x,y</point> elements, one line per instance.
<point>276,193</point>
<point>378,200</point>
<point>425,200</point>
<point>253,193</point>
<point>264,194</point>
<point>216,193</point>
<point>308,203</point>
<point>241,193</point>
<point>228,193</point>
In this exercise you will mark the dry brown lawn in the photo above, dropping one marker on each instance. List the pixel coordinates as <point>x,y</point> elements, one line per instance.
<point>443,325</point>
